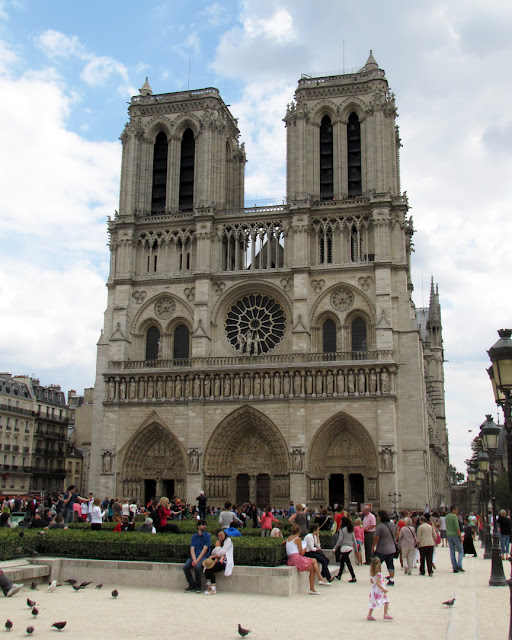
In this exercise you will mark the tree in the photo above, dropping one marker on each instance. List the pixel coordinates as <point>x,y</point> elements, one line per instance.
<point>456,477</point>
<point>501,491</point>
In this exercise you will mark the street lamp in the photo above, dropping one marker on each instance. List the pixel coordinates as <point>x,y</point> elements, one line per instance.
<point>490,434</point>
<point>501,378</point>
<point>483,468</point>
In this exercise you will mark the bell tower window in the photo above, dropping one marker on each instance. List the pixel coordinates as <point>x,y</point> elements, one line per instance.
<point>354,155</point>
<point>152,343</point>
<point>181,342</point>
<point>326,160</point>
<point>159,173</point>
<point>359,335</point>
<point>329,336</point>
<point>188,150</point>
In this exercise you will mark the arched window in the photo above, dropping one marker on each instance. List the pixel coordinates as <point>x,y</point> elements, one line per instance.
<point>188,150</point>
<point>181,342</point>
<point>359,335</point>
<point>326,160</point>
<point>152,343</point>
<point>329,336</point>
<point>159,173</point>
<point>354,155</point>
<point>326,247</point>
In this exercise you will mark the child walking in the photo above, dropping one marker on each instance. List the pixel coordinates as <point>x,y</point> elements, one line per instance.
<point>378,593</point>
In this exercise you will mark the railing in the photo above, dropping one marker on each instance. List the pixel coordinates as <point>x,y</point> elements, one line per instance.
<point>26,412</point>
<point>172,97</point>
<point>253,361</point>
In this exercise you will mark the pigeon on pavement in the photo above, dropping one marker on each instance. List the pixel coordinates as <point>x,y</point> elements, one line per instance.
<point>33,586</point>
<point>52,586</point>
<point>84,584</point>
<point>35,611</point>
<point>31,603</point>
<point>243,632</point>
<point>70,581</point>
<point>449,603</point>
<point>30,630</point>
<point>115,593</point>
<point>59,625</point>
<point>98,586</point>
<point>8,625</point>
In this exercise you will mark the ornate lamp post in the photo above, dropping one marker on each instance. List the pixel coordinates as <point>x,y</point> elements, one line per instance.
<point>479,487</point>
<point>394,499</point>
<point>483,472</point>
<point>471,485</point>
<point>490,434</point>
<point>501,378</point>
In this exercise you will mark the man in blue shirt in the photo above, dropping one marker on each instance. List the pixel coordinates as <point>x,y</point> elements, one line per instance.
<point>200,548</point>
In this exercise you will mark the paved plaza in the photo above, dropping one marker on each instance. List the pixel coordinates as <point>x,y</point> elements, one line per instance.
<point>480,611</point>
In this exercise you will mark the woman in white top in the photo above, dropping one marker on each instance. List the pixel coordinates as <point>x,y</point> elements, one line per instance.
<point>313,549</point>
<point>96,515</point>
<point>223,557</point>
<point>296,558</point>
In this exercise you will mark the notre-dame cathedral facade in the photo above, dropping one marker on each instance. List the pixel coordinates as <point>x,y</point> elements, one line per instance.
<point>269,353</point>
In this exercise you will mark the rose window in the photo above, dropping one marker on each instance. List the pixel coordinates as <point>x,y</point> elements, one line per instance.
<point>255,324</point>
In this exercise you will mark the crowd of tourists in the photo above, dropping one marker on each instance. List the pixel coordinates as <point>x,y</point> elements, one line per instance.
<point>409,537</point>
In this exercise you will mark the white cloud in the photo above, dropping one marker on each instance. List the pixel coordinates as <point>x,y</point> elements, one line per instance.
<point>55,44</point>
<point>7,58</point>
<point>278,27</point>
<point>190,46</point>
<point>216,14</point>
<point>98,70</point>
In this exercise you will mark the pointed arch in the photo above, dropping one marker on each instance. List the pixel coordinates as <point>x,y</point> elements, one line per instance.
<point>153,453</point>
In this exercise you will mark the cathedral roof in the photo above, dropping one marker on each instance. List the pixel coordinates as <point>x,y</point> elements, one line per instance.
<point>371,63</point>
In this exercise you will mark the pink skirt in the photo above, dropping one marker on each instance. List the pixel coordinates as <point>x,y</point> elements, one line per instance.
<point>301,562</point>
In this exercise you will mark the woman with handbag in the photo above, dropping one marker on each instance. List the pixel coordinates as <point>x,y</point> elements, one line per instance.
<point>407,539</point>
<point>384,544</point>
<point>346,544</point>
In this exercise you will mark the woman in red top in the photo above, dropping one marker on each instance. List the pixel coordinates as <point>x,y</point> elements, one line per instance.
<point>163,511</point>
<point>266,519</point>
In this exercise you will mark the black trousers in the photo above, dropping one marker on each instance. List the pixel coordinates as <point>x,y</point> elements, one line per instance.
<point>345,560</point>
<point>217,568</point>
<point>426,554</point>
<point>322,562</point>
<point>368,544</point>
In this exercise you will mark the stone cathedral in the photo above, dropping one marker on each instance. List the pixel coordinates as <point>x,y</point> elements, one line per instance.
<point>269,353</point>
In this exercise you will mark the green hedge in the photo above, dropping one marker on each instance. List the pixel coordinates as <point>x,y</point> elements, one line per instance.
<point>106,545</point>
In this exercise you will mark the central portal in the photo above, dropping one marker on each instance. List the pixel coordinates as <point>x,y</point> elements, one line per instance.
<point>247,460</point>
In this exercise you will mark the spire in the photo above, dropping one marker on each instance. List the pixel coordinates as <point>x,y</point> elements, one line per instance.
<point>434,308</point>
<point>371,63</point>
<point>146,90</point>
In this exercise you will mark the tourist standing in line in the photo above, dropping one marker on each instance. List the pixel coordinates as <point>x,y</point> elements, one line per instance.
<point>384,544</point>
<point>369,526</point>
<point>442,530</point>
<point>96,515</point>
<point>454,538</point>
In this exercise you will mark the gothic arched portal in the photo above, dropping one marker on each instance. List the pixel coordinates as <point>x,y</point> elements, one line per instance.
<point>247,459</point>
<point>153,465</point>
<point>343,463</point>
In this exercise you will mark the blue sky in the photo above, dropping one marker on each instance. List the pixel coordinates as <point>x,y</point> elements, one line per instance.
<point>68,69</point>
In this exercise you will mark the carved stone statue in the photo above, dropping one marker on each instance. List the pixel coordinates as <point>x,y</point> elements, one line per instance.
<point>122,390</point>
<point>257,386</point>
<point>361,381</point>
<point>351,382</point>
<point>111,389</point>
<point>141,388</point>
<point>286,384</point>
<point>207,387</point>
<point>384,381</point>
<point>236,386</point>
<point>196,389</point>
<point>309,383</point>
<point>106,462</point>
<point>387,459</point>
<point>318,384</point>
<point>296,384</point>
<point>178,388</point>
<point>266,385</point>
<point>277,384</point>
<point>193,461</point>
<point>373,382</point>
<point>151,389</point>
<point>133,389</point>
<point>159,388</point>
<point>297,459</point>
<point>247,386</point>
<point>329,383</point>
<point>340,383</point>
<point>216,387</point>
<point>227,387</point>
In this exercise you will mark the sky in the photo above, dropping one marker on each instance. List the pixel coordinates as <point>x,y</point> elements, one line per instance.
<point>68,70</point>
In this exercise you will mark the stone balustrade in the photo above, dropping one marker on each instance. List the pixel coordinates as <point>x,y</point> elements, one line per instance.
<point>356,381</point>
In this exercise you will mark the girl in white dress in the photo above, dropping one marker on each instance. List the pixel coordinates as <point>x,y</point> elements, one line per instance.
<point>378,593</point>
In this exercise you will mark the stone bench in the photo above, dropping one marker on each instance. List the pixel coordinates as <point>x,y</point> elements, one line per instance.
<point>24,570</point>
<point>274,581</point>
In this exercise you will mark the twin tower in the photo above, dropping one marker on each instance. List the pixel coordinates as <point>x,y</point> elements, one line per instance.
<point>273,353</point>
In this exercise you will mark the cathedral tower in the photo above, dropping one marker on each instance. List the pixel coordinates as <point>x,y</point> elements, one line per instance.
<point>269,353</point>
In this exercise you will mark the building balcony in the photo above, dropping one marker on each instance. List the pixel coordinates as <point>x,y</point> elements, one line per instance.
<point>18,410</point>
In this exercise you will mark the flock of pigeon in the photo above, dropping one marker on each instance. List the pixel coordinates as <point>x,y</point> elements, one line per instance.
<point>51,588</point>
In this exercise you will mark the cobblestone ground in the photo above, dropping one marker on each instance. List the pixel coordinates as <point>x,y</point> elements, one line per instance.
<point>480,611</point>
